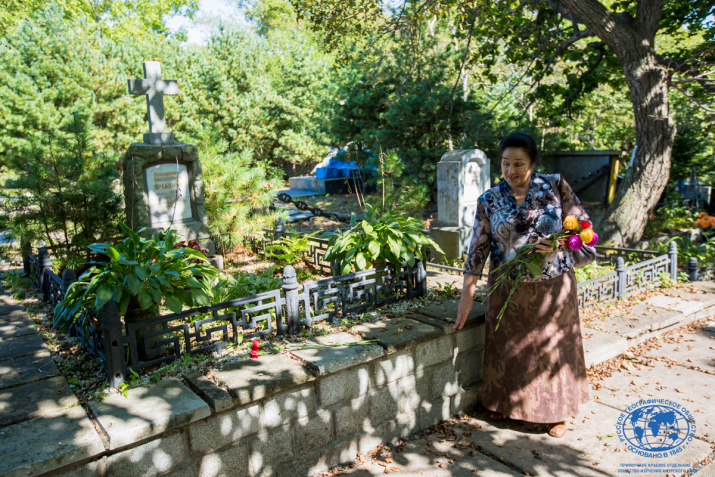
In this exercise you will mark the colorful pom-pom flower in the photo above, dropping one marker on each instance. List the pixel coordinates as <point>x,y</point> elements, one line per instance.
<point>570,223</point>
<point>584,225</point>
<point>586,235</point>
<point>575,243</point>
<point>593,241</point>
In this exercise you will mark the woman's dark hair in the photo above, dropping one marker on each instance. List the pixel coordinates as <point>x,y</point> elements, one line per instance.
<point>520,140</point>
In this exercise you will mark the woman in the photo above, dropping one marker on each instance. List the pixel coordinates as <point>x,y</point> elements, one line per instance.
<point>534,367</point>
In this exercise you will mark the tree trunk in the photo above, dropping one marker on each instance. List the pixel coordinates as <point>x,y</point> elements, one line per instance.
<point>626,217</point>
<point>633,42</point>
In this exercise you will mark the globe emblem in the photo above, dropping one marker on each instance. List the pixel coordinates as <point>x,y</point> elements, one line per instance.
<point>656,428</point>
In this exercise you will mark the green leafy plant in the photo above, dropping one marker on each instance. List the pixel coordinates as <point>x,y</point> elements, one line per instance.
<point>671,217</point>
<point>290,250</point>
<point>390,236</point>
<point>244,284</point>
<point>593,270</point>
<point>704,252</point>
<point>139,273</point>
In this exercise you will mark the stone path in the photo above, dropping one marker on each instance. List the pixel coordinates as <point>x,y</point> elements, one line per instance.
<point>680,368</point>
<point>38,410</point>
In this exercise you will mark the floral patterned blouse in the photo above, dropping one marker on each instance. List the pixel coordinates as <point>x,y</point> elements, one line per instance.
<point>502,227</point>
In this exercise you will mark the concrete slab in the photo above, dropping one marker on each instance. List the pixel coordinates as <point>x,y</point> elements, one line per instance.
<point>295,193</point>
<point>27,369</point>
<point>599,346</point>
<point>331,357</point>
<point>675,304</point>
<point>708,287</point>
<point>16,327</point>
<point>395,334</point>
<point>707,471</point>
<point>637,320</point>
<point>433,456</point>
<point>45,398</point>
<point>15,315</point>
<point>692,347</point>
<point>41,445</point>
<point>693,294</point>
<point>23,346</point>
<point>447,311</point>
<point>218,398</point>
<point>147,411</point>
<point>6,309</point>
<point>250,380</point>
<point>694,390</point>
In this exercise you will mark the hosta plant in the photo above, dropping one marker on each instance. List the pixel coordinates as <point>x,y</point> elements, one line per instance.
<point>391,237</point>
<point>141,274</point>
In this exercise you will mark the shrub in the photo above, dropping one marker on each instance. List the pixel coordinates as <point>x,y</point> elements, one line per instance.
<point>391,236</point>
<point>139,273</point>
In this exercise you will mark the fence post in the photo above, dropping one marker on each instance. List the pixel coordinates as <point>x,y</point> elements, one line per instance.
<point>113,344</point>
<point>280,229</point>
<point>621,277</point>
<point>673,254</point>
<point>693,269</point>
<point>421,279</point>
<point>68,278</point>
<point>43,263</point>
<point>290,292</point>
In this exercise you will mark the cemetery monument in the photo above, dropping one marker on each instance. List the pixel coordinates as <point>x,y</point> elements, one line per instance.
<point>162,177</point>
<point>462,176</point>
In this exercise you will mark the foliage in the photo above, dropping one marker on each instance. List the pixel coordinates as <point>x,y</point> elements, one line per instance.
<point>400,99</point>
<point>290,250</point>
<point>235,186</point>
<point>400,191</point>
<point>672,216</point>
<point>66,194</point>
<point>704,252</point>
<point>391,236</point>
<point>139,273</point>
<point>244,284</point>
<point>593,270</point>
<point>115,18</point>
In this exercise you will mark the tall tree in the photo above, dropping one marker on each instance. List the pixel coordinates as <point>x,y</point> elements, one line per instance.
<point>594,41</point>
<point>115,18</point>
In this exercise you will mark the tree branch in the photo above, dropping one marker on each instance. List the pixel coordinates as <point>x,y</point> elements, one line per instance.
<point>690,70</point>
<point>601,47</point>
<point>694,100</point>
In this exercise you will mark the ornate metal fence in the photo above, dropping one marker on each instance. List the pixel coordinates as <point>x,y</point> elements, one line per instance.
<point>152,340</point>
<point>626,281</point>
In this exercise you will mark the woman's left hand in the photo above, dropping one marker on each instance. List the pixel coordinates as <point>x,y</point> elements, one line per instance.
<point>545,245</point>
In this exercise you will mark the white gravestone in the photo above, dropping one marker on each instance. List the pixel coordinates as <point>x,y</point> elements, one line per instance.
<point>462,176</point>
<point>168,194</point>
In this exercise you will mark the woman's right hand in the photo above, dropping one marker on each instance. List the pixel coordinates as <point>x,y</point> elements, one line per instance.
<point>463,309</point>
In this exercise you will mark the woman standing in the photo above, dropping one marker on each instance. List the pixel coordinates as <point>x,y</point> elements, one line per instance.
<point>534,367</point>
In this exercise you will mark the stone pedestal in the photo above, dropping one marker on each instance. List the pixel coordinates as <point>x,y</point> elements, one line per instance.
<point>462,176</point>
<point>164,189</point>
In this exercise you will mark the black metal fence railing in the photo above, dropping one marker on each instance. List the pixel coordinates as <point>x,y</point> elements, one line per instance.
<point>126,342</point>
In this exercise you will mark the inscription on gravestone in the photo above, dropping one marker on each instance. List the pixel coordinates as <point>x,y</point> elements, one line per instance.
<point>168,194</point>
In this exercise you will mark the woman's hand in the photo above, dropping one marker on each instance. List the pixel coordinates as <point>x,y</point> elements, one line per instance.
<point>463,309</point>
<point>467,300</point>
<point>545,245</point>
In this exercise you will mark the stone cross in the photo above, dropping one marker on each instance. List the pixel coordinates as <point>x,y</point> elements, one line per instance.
<point>155,88</point>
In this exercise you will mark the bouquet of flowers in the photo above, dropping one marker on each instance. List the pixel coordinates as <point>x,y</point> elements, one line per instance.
<point>528,260</point>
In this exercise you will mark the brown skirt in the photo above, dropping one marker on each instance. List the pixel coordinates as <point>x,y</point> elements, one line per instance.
<point>534,368</point>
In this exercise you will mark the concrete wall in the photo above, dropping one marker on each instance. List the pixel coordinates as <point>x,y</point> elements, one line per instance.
<point>295,423</point>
